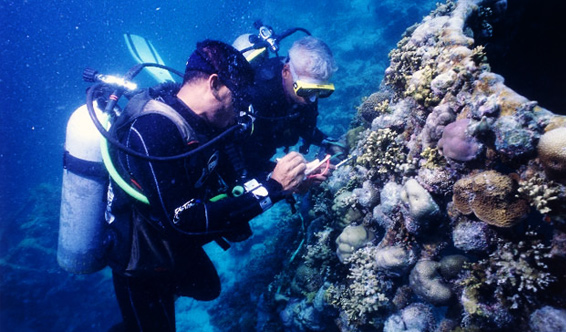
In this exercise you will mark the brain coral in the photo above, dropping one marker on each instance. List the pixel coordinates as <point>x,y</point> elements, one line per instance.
<point>426,282</point>
<point>422,207</point>
<point>491,196</point>
<point>552,151</point>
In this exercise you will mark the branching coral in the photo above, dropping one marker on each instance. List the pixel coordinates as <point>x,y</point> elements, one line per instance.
<point>382,153</point>
<point>512,276</point>
<point>367,290</point>
<point>319,252</point>
<point>540,192</point>
<point>419,86</point>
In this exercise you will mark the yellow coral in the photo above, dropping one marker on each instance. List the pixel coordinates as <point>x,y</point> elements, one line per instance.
<point>382,153</point>
<point>432,158</point>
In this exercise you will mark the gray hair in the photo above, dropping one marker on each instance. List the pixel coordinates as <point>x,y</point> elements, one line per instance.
<point>314,57</point>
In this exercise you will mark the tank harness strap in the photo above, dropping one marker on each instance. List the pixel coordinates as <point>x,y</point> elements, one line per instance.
<point>141,105</point>
<point>157,107</point>
<point>93,169</point>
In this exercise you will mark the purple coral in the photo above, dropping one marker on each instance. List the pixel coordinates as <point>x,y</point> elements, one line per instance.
<point>457,144</point>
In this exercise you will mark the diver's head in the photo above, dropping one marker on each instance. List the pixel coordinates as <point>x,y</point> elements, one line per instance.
<point>228,77</point>
<point>244,42</point>
<point>307,71</point>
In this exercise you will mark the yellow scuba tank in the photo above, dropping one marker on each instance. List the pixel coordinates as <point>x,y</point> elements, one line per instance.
<point>82,225</point>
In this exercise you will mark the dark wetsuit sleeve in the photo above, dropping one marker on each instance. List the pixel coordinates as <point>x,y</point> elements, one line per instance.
<point>175,203</point>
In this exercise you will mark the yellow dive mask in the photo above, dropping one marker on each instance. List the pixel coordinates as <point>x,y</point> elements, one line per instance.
<point>309,88</point>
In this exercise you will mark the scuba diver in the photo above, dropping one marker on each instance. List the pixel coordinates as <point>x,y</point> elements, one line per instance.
<point>286,91</point>
<point>177,148</point>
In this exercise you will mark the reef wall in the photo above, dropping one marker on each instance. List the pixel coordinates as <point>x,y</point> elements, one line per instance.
<point>450,213</point>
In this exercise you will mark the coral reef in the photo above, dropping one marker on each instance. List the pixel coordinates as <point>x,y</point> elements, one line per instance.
<point>472,236</point>
<point>367,196</point>
<point>450,214</point>
<point>394,260</point>
<point>345,209</point>
<point>512,278</point>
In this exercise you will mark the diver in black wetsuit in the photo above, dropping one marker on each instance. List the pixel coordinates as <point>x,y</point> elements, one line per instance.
<point>285,98</point>
<point>192,200</point>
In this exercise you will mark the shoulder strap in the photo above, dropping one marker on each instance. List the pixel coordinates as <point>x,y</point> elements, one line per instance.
<point>143,103</point>
<point>157,107</point>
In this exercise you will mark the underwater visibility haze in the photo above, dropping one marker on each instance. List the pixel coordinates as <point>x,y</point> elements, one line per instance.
<point>449,215</point>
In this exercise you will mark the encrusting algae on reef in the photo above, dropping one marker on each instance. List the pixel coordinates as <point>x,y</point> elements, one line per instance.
<point>451,212</point>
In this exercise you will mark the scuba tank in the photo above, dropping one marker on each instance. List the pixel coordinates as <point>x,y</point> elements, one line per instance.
<point>82,225</point>
<point>252,46</point>
<point>85,237</point>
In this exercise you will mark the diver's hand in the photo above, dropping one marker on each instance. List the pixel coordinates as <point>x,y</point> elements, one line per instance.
<point>320,173</point>
<point>290,171</point>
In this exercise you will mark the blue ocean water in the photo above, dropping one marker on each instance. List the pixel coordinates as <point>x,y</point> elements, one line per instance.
<point>44,49</point>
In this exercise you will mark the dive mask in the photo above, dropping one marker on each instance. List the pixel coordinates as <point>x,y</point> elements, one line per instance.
<point>310,88</point>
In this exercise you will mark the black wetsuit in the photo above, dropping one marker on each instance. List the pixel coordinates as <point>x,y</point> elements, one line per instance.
<point>280,122</point>
<point>163,257</point>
